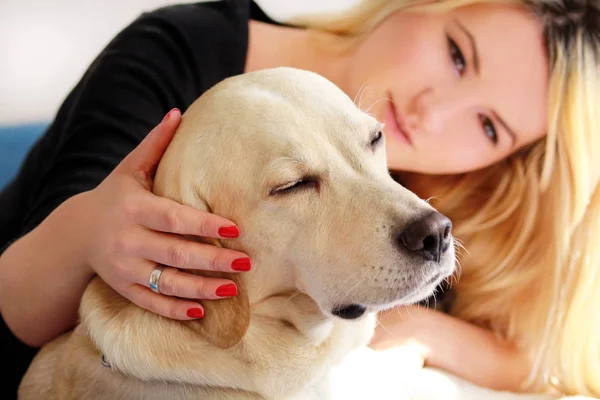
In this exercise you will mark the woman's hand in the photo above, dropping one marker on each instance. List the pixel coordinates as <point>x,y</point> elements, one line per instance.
<point>403,326</point>
<point>131,231</point>
<point>453,345</point>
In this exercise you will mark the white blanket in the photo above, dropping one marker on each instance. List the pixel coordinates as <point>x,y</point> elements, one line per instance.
<point>398,374</point>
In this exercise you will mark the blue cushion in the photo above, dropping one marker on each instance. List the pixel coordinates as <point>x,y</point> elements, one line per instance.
<point>15,142</point>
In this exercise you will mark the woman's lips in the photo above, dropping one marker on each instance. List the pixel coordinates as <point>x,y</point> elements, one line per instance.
<point>396,123</point>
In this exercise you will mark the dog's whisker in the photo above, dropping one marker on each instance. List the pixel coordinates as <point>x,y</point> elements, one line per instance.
<point>452,280</point>
<point>457,271</point>
<point>358,281</point>
<point>364,272</point>
<point>461,249</point>
<point>349,277</point>
<point>360,93</point>
<point>456,276</point>
<point>375,103</point>
<point>379,323</point>
<point>459,246</point>
<point>296,293</point>
<point>428,200</point>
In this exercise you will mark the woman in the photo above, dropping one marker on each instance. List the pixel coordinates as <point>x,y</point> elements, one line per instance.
<point>498,125</point>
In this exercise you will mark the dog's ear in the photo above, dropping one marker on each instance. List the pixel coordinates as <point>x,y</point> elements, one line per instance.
<point>226,320</point>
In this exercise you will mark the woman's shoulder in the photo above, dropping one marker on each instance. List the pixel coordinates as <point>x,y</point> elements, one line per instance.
<point>202,16</point>
<point>209,17</point>
<point>208,40</point>
<point>198,27</point>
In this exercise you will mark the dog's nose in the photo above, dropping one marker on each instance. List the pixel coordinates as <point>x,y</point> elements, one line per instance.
<point>428,236</point>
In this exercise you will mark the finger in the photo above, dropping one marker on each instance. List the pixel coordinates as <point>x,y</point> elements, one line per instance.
<point>147,154</point>
<point>167,306</point>
<point>165,215</point>
<point>173,282</point>
<point>175,251</point>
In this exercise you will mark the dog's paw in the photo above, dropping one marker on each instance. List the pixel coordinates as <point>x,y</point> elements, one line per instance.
<point>367,373</point>
<point>406,359</point>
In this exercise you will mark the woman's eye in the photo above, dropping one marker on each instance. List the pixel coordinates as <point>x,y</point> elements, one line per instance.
<point>489,129</point>
<point>377,138</point>
<point>294,186</point>
<point>457,56</point>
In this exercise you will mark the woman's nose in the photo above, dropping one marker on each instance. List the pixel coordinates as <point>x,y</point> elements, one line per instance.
<point>433,109</point>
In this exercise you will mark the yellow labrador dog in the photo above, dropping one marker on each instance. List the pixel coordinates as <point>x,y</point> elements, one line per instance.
<point>333,238</point>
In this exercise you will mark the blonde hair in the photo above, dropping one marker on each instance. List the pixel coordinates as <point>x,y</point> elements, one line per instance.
<point>530,223</point>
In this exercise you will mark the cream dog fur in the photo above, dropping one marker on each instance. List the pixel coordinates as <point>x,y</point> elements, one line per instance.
<point>333,238</point>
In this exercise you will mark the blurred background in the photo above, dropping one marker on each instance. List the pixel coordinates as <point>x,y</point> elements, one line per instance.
<point>46,45</point>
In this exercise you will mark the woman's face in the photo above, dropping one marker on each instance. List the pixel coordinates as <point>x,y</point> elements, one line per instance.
<point>467,87</point>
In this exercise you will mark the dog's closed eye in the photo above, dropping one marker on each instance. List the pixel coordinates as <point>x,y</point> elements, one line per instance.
<point>305,183</point>
<point>376,138</point>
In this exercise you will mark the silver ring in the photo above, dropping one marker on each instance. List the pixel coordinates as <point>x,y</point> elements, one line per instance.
<point>154,277</point>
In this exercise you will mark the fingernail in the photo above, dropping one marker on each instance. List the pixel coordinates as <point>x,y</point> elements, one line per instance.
<point>227,290</point>
<point>169,114</point>
<point>229,231</point>
<point>241,264</point>
<point>195,313</point>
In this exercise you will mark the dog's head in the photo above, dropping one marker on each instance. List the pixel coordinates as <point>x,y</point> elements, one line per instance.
<point>288,157</point>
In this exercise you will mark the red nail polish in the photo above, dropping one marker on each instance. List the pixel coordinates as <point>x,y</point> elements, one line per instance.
<point>229,231</point>
<point>195,313</point>
<point>227,290</point>
<point>241,264</point>
<point>169,114</point>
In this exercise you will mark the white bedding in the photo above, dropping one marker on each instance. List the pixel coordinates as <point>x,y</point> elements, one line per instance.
<point>399,374</point>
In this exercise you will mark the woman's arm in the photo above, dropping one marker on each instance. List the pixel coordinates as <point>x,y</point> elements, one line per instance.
<point>453,345</point>
<point>43,276</point>
<point>44,273</point>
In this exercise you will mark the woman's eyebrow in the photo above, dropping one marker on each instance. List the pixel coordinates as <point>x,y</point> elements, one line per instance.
<point>471,42</point>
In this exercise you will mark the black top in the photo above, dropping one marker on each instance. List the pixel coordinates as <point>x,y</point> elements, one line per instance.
<point>164,59</point>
